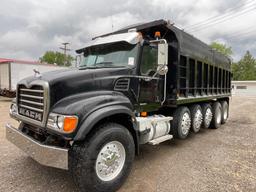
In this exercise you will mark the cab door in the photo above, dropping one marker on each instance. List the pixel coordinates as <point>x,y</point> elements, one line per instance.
<point>150,89</point>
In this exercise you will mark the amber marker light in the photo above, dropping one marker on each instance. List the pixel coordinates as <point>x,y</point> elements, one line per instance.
<point>144,114</point>
<point>157,34</point>
<point>70,124</point>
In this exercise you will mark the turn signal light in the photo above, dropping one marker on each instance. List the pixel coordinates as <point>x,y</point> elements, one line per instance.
<point>70,124</point>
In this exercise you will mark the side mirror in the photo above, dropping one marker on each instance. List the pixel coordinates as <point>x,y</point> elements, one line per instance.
<point>162,67</point>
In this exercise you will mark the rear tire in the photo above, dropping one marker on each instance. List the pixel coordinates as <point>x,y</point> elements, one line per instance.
<point>181,123</point>
<point>103,161</point>
<point>217,113</point>
<point>225,111</point>
<point>207,115</point>
<point>196,118</point>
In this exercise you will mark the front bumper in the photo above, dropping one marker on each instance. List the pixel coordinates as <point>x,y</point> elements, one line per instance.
<point>46,155</point>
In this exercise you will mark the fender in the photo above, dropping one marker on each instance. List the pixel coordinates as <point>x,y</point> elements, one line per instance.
<point>98,115</point>
<point>102,113</point>
<point>91,107</point>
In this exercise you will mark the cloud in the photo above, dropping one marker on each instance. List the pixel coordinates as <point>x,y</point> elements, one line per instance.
<point>31,27</point>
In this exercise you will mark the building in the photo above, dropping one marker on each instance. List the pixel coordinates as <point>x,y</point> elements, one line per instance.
<point>12,71</point>
<point>244,88</point>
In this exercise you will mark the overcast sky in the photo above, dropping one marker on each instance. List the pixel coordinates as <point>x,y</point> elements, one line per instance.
<point>28,28</point>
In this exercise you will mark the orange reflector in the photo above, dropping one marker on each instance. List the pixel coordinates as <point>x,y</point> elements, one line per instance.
<point>70,124</point>
<point>143,114</point>
<point>157,34</point>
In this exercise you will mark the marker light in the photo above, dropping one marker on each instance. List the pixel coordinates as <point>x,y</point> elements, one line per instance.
<point>144,114</point>
<point>157,34</point>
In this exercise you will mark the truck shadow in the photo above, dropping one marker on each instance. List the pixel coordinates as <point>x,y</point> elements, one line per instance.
<point>147,161</point>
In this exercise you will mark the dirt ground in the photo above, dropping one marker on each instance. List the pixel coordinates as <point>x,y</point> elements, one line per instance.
<point>212,160</point>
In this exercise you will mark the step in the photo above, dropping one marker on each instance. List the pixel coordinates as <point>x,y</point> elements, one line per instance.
<point>160,139</point>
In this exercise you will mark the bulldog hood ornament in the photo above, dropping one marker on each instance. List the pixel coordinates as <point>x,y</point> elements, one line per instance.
<point>37,73</point>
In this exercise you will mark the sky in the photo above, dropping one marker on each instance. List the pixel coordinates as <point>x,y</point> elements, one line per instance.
<point>28,28</point>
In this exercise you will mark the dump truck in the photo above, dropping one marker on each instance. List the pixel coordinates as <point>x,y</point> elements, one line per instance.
<point>143,84</point>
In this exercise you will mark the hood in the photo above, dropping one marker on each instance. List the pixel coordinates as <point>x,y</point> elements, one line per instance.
<point>63,83</point>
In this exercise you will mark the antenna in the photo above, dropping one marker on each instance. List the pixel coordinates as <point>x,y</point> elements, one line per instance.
<point>112,24</point>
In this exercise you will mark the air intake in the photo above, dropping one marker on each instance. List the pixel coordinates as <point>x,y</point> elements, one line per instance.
<point>122,85</point>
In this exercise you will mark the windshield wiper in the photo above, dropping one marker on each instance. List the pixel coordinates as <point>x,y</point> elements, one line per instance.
<point>104,62</point>
<point>85,67</point>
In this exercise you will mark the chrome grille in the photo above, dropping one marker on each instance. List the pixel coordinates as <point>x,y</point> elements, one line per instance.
<point>31,102</point>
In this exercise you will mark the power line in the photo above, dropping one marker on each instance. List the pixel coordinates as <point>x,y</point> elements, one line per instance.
<point>243,32</point>
<point>228,11</point>
<point>202,27</point>
<point>223,19</point>
<point>242,35</point>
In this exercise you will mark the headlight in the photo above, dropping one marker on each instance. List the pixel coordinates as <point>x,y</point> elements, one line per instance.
<point>13,109</point>
<point>62,123</point>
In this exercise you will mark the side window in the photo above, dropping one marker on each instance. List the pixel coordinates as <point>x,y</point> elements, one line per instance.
<point>90,60</point>
<point>149,60</point>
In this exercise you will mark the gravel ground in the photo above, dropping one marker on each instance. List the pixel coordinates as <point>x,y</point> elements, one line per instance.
<point>212,160</point>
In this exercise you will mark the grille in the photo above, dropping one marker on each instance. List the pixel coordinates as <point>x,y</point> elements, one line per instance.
<point>31,102</point>
<point>122,85</point>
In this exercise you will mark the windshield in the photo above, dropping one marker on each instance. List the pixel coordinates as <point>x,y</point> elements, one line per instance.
<point>113,55</point>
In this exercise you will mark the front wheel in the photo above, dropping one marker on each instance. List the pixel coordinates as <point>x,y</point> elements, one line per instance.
<point>103,162</point>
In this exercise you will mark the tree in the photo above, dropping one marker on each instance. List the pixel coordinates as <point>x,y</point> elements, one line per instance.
<point>245,69</point>
<point>222,48</point>
<point>58,58</point>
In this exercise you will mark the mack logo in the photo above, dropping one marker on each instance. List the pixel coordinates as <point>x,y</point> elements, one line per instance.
<point>32,114</point>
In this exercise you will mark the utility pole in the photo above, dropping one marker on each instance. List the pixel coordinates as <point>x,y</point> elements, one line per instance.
<point>65,49</point>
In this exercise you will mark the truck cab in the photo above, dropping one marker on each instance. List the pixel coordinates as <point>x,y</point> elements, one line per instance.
<point>125,91</point>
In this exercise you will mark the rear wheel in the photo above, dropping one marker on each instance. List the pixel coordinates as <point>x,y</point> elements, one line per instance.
<point>181,122</point>
<point>217,113</point>
<point>225,111</point>
<point>196,118</point>
<point>103,161</point>
<point>207,115</point>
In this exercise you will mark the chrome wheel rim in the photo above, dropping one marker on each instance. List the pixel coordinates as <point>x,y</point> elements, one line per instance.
<point>110,161</point>
<point>198,120</point>
<point>218,115</point>
<point>208,116</point>
<point>185,123</point>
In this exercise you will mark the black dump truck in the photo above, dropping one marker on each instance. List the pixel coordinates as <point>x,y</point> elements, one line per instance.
<point>143,84</point>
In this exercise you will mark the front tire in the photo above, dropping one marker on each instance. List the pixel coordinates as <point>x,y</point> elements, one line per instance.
<point>103,161</point>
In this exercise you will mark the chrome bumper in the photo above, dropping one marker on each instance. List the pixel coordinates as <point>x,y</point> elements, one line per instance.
<point>43,154</point>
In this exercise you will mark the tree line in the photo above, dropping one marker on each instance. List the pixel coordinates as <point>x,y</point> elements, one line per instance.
<point>244,69</point>
<point>56,58</point>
